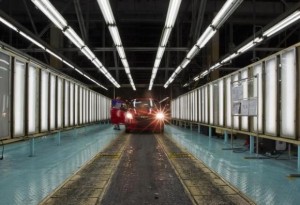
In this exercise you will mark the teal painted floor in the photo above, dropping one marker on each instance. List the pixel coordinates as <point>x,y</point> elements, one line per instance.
<point>27,180</point>
<point>265,181</point>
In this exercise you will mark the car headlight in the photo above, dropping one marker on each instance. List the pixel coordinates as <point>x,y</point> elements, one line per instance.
<point>160,116</point>
<point>129,116</point>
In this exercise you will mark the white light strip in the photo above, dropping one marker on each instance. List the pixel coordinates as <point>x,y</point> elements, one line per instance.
<point>282,24</point>
<point>157,62</point>
<point>32,40</point>
<point>73,37</point>
<point>165,36</point>
<point>173,9</point>
<point>194,51</point>
<point>125,63</point>
<point>88,53</point>
<point>121,52</point>
<point>68,64</point>
<point>115,35</point>
<point>205,37</point>
<point>246,47</point>
<point>47,8</point>
<point>160,52</point>
<point>224,13</point>
<point>185,62</point>
<point>106,11</point>
<point>172,12</point>
<point>53,54</point>
<point>8,24</point>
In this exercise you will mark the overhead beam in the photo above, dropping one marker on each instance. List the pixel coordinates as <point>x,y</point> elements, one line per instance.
<point>80,20</point>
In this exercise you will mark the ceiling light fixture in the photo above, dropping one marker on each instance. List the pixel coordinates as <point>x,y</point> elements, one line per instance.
<point>110,21</point>
<point>51,12</point>
<point>173,9</point>
<point>227,9</point>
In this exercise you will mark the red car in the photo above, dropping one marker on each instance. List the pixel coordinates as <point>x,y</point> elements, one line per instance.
<point>144,114</point>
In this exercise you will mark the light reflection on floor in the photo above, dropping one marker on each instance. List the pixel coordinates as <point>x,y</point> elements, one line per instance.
<point>265,181</point>
<point>27,180</point>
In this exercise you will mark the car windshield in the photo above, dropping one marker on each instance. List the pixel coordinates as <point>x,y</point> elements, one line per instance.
<point>144,104</point>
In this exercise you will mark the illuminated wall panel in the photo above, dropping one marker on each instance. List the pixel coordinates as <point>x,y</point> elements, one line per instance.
<point>288,94</point>
<point>203,104</point>
<point>199,105</point>
<point>271,96</point>
<point>84,106</point>
<point>236,118</point>
<point>59,102</point>
<point>206,109</point>
<point>19,98</point>
<point>244,75</point>
<point>71,104</point>
<point>228,102</point>
<point>4,95</point>
<point>90,106</point>
<point>258,87</point>
<point>52,101</point>
<point>44,100</point>
<point>215,99</point>
<point>80,105</point>
<point>66,103</point>
<point>221,102</point>
<point>76,103</point>
<point>32,99</point>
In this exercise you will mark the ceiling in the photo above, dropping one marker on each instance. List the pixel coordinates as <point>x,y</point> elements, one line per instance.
<point>140,24</point>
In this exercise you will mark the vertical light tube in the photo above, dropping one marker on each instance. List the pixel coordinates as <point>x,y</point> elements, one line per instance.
<point>71,104</point>
<point>271,96</point>
<point>44,100</point>
<point>199,105</point>
<point>211,103</point>
<point>76,103</point>
<point>288,93</point>
<point>258,87</point>
<point>236,119</point>
<point>221,102</point>
<point>59,102</point>
<point>52,101</point>
<point>32,98</point>
<point>67,103</point>
<point>228,102</point>
<point>19,98</point>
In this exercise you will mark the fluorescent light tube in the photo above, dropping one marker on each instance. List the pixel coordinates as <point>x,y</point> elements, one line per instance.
<point>177,71</point>
<point>78,71</point>
<point>154,70</point>
<point>172,12</point>
<point>217,65</point>
<point>8,24</point>
<point>68,64</point>
<point>205,37</point>
<point>165,36</point>
<point>127,70</point>
<point>125,62</point>
<point>115,35</point>
<point>282,24</point>
<point>157,62</point>
<point>121,51</point>
<point>230,57</point>
<point>185,62</point>
<point>204,74</point>
<point>32,40</point>
<point>228,8</point>
<point>73,37</point>
<point>196,78</point>
<point>160,52</point>
<point>106,11</point>
<point>246,47</point>
<point>193,52</point>
<point>53,54</point>
<point>48,9</point>
<point>88,53</point>
<point>97,63</point>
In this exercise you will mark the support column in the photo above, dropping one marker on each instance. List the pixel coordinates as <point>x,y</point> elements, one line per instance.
<point>209,132</point>
<point>225,137</point>
<point>199,128</point>
<point>251,150</point>
<point>56,41</point>
<point>191,126</point>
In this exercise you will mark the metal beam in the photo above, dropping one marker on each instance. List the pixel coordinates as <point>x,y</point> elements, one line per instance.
<point>131,68</point>
<point>80,20</point>
<point>199,20</point>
